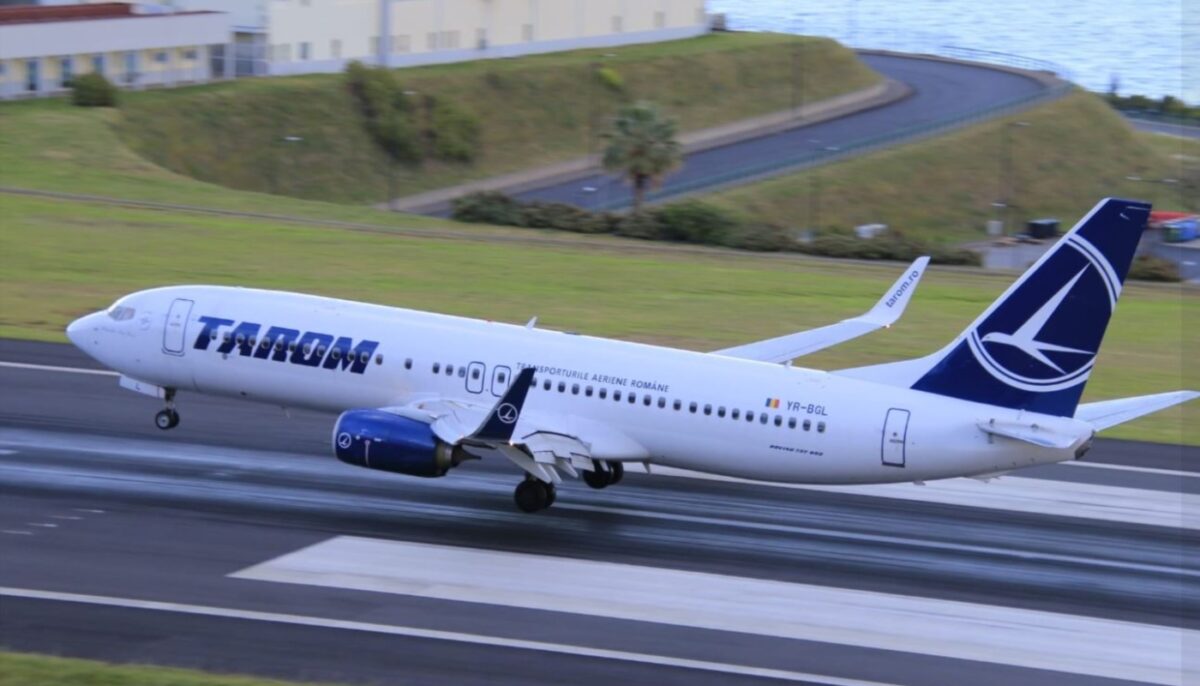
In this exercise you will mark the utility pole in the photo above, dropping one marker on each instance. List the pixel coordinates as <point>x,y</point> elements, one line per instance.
<point>385,31</point>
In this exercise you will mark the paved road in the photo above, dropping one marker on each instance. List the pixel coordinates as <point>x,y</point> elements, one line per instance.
<point>942,91</point>
<point>113,508</point>
<point>1165,127</point>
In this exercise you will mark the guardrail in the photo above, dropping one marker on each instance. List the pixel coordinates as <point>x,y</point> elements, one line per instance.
<point>1003,58</point>
<point>810,158</point>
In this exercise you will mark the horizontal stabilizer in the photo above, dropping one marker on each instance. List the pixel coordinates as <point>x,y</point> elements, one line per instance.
<point>885,313</point>
<point>1108,413</point>
<point>1030,433</point>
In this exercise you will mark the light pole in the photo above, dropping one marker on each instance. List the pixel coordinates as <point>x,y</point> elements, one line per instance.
<point>1004,202</point>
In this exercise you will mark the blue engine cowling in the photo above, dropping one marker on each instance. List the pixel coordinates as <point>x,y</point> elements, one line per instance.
<point>388,442</point>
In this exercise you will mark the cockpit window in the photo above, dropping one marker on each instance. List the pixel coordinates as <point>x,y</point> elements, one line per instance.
<point>120,313</point>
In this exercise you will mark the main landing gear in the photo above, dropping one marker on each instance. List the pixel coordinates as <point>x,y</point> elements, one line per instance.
<point>534,494</point>
<point>167,418</point>
<point>604,474</point>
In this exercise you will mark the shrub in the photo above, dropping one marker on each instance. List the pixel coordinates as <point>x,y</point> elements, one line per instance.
<point>886,248</point>
<point>758,237</point>
<point>487,207</point>
<point>694,222</point>
<point>611,79</point>
<point>1151,268</point>
<point>454,133</point>
<point>561,216</point>
<point>93,90</point>
<point>642,225</point>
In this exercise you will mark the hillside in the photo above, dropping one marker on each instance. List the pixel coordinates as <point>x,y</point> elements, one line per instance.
<point>532,110</point>
<point>1065,155</point>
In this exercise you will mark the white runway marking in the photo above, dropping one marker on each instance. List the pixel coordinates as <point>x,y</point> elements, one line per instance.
<point>16,532</point>
<point>1132,468</point>
<point>416,632</point>
<point>7,452</point>
<point>1019,494</point>
<point>945,628</point>
<point>52,368</point>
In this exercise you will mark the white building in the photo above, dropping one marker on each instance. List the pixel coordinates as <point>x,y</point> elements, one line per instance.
<point>43,47</point>
<point>304,36</point>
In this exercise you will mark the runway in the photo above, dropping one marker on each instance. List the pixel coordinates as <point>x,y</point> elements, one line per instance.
<point>236,543</point>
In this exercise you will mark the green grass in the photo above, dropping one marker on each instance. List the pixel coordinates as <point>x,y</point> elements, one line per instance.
<point>1072,152</point>
<point>61,259</point>
<point>22,669</point>
<point>533,111</point>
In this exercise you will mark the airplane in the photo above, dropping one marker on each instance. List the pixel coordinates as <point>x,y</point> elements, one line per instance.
<point>421,393</point>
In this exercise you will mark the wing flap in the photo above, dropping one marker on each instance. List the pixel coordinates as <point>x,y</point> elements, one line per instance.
<point>883,314</point>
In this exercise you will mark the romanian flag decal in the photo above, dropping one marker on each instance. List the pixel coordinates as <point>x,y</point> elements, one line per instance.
<point>773,403</point>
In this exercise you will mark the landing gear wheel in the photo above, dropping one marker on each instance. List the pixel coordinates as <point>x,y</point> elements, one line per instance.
<point>166,419</point>
<point>533,495</point>
<point>616,473</point>
<point>598,477</point>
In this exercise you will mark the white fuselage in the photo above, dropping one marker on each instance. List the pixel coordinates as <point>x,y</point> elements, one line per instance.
<point>735,417</point>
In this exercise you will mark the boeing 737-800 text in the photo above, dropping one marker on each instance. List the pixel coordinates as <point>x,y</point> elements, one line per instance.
<point>421,393</point>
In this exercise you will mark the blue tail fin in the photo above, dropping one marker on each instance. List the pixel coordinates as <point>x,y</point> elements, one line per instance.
<point>1034,348</point>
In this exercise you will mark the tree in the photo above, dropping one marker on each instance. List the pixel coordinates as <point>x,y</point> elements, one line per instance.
<point>642,147</point>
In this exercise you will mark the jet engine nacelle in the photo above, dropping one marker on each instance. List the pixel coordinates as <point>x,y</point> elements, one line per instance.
<point>388,442</point>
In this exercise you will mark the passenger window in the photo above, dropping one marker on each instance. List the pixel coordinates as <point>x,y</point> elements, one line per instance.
<point>379,360</point>
<point>336,354</point>
<point>662,402</point>
<point>603,393</point>
<point>225,338</point>
<point>791,422</point>
<point>778,420</point>
<point>588,391</point>
<point>807,424</point>
<point>562,387</point>
<point>449,370</point>
<point>749,416</point>
<point>546,384</point>
<point>574,389</point>
<point>308,349</point>
<point>291,346</point>
<point>820,427</point>
<point>437,367</point>
<point>736,413</point>
<point>241,338</point>
<point>462,372</point>
<point>692,408</point>
<point>279,345</point>
<point>502,377</point>
<point>708,409</point>
<point>321,351</point>
<point>407,362</point>
<point>721,411</point>
<point>646,400</point>
<point>677,404</point>
<point>762,418</point>
<point>632,398</point>
<point>617,396</point>
<point>475,373</point>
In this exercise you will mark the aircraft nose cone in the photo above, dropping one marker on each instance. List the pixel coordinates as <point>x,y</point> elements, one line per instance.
<point>79,331</point>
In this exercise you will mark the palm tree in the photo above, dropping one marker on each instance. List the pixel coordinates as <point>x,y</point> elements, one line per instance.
<point>642,147</point>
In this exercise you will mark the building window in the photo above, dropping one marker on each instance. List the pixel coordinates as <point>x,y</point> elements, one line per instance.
<point>527,33</point>
<point>98,64</point>
<point>31,75</point>
<point>431,41</point>
<point>65,72</point>
<point>3,68</point>
<point>481,39</point>
<point>160,56</point>
<point>401,43</point>
<point>660,19</point>
<point>305,51</point>
<point>189,54</point>
<point>618,23</point>
<point>448,40</point>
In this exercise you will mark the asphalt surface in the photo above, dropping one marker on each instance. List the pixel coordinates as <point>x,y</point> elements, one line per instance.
<point>113,507</point>
<point>943,90</point>
<point>1165,128</point>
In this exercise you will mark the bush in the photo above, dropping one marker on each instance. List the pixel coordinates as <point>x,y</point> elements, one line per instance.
<point>886,248</point>
<point>694,222</point>
<point>1151,268</point>
<point>642,225</point>
<point>93,90</point>
<point>758,237</point>
<point>455,134</point>
<point>611,79</point>
<point>561,216</point>
<point>487,207</point>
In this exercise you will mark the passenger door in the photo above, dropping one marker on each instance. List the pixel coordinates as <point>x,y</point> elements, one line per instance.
<point>895,437</point>
<point>175,329</point>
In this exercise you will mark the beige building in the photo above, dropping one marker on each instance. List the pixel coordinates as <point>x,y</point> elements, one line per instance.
<point>43,47</point>
<point>302,36</point>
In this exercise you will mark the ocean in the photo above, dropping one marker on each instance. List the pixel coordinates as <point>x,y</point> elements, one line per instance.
<point>1151,47</point>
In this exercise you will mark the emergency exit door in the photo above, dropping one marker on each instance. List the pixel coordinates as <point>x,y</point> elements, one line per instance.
<point>895,437</point>
<point>176,326</point>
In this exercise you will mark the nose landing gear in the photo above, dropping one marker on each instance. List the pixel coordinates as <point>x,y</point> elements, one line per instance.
<point>167,418</point>
<point>534,494</point>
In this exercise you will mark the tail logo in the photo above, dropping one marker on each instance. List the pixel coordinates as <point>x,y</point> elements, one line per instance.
<point>1029,350</point>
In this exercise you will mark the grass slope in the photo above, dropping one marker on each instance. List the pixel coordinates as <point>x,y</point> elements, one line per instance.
<point>22,669</point>
<point>1071,153</point>
<point>534,110</point>
<point>61,259</point>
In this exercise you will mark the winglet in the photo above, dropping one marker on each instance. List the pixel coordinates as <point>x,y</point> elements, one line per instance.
<point>892,304</point>
<point>500,422</point>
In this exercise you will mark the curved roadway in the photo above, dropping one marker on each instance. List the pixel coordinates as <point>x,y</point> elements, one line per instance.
<point>95,501</point>
<point>942,91</point>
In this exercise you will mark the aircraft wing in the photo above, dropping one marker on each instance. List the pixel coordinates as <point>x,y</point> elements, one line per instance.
<point>884,313</point>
